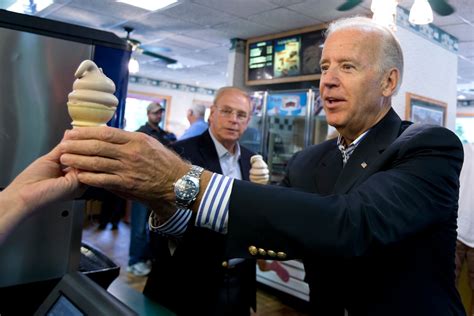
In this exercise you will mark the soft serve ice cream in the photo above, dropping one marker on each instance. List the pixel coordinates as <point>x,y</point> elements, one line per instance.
<point>92,101</point>
<point>259,171</point>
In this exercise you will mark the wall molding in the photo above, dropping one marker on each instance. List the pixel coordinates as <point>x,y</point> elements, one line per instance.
<point>170,85</point>
<point>429,31</point>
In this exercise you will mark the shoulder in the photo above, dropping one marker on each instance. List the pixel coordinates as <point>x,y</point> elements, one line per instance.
<point>429,136</point>
<point>187,144</point>
<point>244,152</point>
<point>142,128</point>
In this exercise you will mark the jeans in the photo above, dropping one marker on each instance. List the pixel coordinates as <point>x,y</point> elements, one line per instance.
<point>139,250</point>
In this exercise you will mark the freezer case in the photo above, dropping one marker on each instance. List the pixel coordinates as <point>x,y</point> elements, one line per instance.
<point>287,121</point>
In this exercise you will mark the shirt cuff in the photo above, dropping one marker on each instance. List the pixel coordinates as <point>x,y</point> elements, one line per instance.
<point>174,227</point>
<point>214,208</point>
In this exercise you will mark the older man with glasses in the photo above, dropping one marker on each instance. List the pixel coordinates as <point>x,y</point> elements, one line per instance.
<point>202,280</point>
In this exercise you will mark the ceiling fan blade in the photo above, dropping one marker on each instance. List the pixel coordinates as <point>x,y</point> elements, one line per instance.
<point>442,7</point>
<point>165,59</point>
<point>349,5</point>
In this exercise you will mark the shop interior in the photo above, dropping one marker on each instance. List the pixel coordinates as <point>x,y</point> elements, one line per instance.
<point>177,56</point>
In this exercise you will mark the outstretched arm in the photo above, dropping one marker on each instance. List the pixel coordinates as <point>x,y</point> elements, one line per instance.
<point>42,182</point>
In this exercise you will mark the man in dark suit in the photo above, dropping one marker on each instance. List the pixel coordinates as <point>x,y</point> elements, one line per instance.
<point>196,280</point>
<point>383,219</point>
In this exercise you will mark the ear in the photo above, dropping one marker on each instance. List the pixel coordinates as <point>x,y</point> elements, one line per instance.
<point>389,82</point>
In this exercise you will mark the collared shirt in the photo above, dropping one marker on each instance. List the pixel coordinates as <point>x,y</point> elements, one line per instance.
<point>229,162</point>
<point>196,129</point>
<point>347,151</point>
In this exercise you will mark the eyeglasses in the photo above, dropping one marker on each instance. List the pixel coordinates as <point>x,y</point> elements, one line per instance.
<point>227,112</point>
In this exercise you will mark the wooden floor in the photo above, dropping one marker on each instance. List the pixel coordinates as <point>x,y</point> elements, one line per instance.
<point>115,243</point>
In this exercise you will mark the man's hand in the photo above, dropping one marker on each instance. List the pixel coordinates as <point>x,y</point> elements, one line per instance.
<point>133,165</point>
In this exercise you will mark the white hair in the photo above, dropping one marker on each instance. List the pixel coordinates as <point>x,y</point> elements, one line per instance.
<point>391,55</point>
<point>198,110</point>
<point>222,90</point>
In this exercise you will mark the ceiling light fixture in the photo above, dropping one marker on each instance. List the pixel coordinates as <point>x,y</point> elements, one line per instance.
<point>420,12</point>
<point>133,66</point>
<point>29,6</point>
<point>385,12</point>
<point>150,5</point>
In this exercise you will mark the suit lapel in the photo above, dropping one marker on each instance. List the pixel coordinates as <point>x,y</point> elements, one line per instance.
<point>209,153</point>
<point>244,162</point>
<point>329,169</point>
<point>368,151</point>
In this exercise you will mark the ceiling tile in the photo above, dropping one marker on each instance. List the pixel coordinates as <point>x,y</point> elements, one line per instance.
<point>286,3</point>
<point>210,35</point>
<point>244,29</point>
<point>463,32</point>
<point>111,8</point>
<point>466,49</point>
<point>325,11</point>
<point>83,17</point>
<point>241,8</point>
<point>161,22</point>
<point>211,56</point>
<point>282,19</point>
<point>198,14</point>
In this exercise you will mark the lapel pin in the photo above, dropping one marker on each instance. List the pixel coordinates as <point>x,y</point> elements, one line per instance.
<point>364,165</point>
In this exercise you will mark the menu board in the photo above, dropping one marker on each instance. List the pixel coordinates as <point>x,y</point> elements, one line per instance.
<point>291,58</point>
<point>260,62</point>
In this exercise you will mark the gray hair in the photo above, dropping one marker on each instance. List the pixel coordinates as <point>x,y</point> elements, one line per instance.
<point>391,55</point>
<point>223,90</point>
<point>198,110</point>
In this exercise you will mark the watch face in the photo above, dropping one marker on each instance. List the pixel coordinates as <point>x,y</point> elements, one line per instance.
<point>186,188</point>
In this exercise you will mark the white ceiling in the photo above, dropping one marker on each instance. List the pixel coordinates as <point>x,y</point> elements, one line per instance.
<point>197,32</point>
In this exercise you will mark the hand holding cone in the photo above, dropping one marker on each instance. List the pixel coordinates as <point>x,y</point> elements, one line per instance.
<point>259,171</point>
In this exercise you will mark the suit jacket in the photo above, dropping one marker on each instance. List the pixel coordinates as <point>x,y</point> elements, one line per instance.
<point>188,282</point>
<point>377,236</point>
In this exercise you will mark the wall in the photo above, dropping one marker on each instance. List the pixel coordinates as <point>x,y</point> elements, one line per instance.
<point>430,71</point>
<point>176,121</point>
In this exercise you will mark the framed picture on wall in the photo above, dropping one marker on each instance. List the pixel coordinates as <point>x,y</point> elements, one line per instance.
<point>424,110</point>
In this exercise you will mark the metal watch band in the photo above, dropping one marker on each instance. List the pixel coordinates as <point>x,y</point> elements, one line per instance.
<point>195,171</point>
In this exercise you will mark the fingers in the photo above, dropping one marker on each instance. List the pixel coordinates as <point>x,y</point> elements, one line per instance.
<point>102,180</point>
<point>91,148</point>
<point>103,133</point>
<point>91,163</point>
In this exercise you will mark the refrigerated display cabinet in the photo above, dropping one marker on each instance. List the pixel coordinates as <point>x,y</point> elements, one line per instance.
<point>283,123</point>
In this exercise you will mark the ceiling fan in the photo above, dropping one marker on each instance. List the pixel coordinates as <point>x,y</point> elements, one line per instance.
<point>442,7</point>
<point>136,47</point>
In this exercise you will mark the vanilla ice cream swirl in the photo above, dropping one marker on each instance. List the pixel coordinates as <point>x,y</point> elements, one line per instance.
<point>92,86</point>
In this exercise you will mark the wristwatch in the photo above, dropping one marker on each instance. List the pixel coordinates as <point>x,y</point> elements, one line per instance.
<point>186,188</point>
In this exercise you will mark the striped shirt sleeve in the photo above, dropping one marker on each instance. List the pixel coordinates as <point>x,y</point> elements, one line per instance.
<point>212,213</point>
<point>214,208</point>
<point>174,227</point>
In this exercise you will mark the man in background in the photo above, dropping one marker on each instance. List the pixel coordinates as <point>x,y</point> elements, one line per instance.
<point>155,112</point>
<point>195,116</point>
<point>203,281</point>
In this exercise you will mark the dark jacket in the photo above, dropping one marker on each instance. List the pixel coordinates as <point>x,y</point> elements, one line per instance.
<point>377,236</point>
<point>158,133</point>
<point>188,282</point>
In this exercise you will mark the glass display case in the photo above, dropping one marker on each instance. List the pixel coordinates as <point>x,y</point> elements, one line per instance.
<point>283,123</point>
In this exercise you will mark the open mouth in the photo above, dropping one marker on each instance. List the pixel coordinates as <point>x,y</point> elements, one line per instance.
<point>331,101</point>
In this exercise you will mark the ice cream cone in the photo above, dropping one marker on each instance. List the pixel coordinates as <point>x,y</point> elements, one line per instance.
<point>92,101</point>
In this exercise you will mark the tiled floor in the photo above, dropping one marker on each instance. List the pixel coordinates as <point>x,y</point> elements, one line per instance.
<point>114,243</point>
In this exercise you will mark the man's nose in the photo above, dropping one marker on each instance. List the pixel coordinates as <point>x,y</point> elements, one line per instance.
<point>329,78</point>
